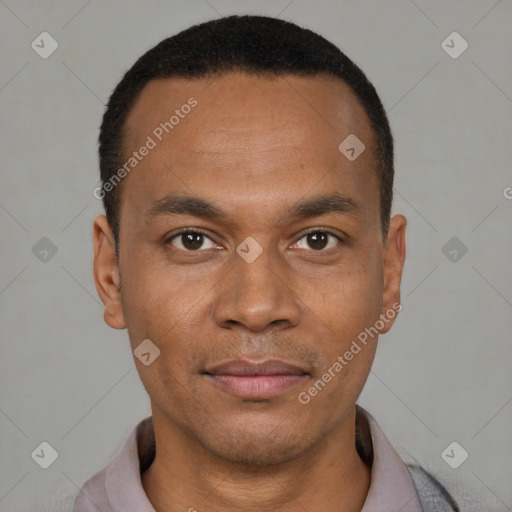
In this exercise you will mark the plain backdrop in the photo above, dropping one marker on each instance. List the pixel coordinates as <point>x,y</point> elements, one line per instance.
<point>442,374</point>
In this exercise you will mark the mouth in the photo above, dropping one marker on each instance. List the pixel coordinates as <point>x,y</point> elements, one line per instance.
<point>256,380</point>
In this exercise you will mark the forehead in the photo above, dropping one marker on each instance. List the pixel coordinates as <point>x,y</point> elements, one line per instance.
<point>323,103</point>
<point>247,138</point>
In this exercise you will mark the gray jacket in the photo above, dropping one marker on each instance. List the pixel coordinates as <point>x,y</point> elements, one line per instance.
<point>433,496</point>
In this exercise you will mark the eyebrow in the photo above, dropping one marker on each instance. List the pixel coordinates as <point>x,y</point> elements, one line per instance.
<point>321,205</point>
<point>174,204</point>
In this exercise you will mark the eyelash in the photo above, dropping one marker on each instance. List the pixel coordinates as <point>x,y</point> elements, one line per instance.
<point>312,230</point>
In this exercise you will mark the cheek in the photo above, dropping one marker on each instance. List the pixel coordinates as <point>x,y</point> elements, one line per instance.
<point>159,307</point>
<point>152,300</point>
<point>348,305</point>
<point>349,299</point>
<point>348,311</point>
<point>155,299</point>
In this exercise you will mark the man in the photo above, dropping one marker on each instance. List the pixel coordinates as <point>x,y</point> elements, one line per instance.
<point>248,249</point>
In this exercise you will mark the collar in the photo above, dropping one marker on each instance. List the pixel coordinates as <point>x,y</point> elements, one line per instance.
<point>118,486</point>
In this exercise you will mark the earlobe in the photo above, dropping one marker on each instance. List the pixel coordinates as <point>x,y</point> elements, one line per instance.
<point>113,321</point>
<point>394,258</point>
<point>106,273</point>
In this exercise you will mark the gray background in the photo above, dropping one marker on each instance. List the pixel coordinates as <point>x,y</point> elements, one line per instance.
<point>441,375</point>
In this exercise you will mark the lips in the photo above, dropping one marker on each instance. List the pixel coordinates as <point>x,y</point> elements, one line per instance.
<point>256,380</point>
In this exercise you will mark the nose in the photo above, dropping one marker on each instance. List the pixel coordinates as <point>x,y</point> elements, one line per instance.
<point>257,295</point>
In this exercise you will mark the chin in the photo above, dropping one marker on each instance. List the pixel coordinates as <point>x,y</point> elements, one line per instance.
<point>258,446</point>
<point>261,453</point>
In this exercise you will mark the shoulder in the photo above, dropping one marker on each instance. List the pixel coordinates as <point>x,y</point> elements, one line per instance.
<point>432,494</point>
<point>93,495</point>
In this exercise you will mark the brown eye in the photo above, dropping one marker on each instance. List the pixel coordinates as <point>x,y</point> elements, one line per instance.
<point>318,241</point>
<point>191,241</point>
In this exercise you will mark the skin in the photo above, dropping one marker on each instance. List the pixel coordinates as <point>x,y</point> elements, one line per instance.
<point>254,147</point>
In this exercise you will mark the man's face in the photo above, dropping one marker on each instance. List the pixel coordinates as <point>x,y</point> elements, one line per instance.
<point>256,150</point>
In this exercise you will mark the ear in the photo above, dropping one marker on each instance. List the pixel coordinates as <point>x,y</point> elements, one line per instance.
<point>394,258</point>
<point>106,273</point>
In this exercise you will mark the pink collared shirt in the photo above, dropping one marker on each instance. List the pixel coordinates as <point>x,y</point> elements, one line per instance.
<point>118,486</point>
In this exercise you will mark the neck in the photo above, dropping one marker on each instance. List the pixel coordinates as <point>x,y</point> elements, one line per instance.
<point>185,476</point>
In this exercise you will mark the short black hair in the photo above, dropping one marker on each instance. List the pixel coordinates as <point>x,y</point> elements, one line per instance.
<point>256,45</point>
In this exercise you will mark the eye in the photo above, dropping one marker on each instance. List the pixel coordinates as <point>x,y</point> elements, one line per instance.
<point>318,240</point>
<point>191,240</point>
